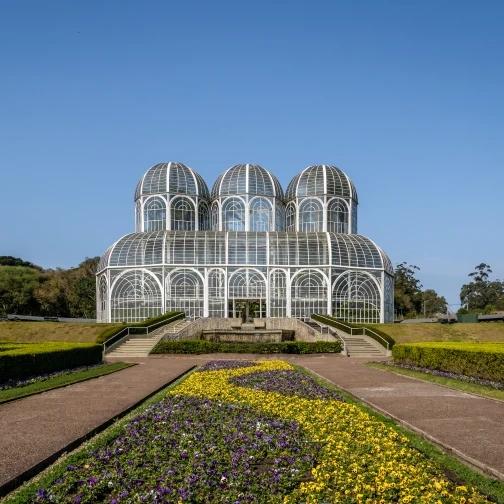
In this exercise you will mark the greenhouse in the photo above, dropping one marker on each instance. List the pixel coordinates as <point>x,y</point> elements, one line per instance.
<point>245,248</point>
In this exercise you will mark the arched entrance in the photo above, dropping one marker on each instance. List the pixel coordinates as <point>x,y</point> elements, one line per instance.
<point>247,294</point>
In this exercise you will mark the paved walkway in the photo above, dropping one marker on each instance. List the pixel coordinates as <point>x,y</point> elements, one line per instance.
<point>36,428</point>
<point>472,427</point>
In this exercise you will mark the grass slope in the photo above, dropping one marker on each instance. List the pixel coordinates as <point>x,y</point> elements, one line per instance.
<point>410,333</point>
<point>31,332</point>
<point>60,381</point>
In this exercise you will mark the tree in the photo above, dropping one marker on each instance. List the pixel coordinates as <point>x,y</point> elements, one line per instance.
<point>482,294</point>
<point>432,303</point>
<point>408,290</point>
<point>16,261</point>
<point>17,286</point>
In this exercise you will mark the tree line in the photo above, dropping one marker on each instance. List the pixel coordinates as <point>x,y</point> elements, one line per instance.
<point>28,289</point>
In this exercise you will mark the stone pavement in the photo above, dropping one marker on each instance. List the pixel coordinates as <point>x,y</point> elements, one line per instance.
<point>471,427</point>
<point>35,430</point>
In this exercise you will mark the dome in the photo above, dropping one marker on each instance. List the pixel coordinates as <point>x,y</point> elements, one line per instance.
<point>173,178</point>
<point>249,179</point>
<point>321,180</point>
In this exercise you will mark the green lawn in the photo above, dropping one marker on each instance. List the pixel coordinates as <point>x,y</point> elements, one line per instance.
<point>38,332</point>
<point>472,388</point>
<point>472,333</point>
<point>60,381</point>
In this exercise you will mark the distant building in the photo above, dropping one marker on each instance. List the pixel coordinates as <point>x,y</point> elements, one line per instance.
<point>245,248</point>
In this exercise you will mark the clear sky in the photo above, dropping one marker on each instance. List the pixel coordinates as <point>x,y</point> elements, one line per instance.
<point>406,97</point>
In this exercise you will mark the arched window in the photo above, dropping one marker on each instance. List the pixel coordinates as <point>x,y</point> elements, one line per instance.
<point>247,284</point>
<point>214,218</point>
<point>278,294</point>
<point>309,294</point>
<point>216,293</point>
<point>261,218</point>
<point>102,314</point>
<point>233,215</point>
<point>356,298</point>
<point>203,217</point>
<point>290,217</point>
<point>337,216</point>
<point>311,215</point>
<point>182,215</point>
<point>154,214</point>
<point>135,296</point>
<point>184,292</point>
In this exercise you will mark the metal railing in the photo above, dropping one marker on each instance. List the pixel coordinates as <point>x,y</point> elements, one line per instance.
<point>329,330</point>
<point>126,332</point>
<point>358,331</point>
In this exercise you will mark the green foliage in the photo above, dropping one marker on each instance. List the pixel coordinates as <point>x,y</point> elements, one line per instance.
<point>27,289</point>
<point>409,299</point>
<point>21,360</point>
<point>111,331</point>
<point>60,381</point>
<point>480,360</point>
<point>17,286</point>
<point>16,261</point>
<point>203,346</point>
<point>358,328</point>
<point>482,295</point>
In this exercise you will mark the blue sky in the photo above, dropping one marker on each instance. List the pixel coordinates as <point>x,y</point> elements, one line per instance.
<point>406,97</point>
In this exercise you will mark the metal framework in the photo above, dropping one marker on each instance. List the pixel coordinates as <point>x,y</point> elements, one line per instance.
<point>208,254</point>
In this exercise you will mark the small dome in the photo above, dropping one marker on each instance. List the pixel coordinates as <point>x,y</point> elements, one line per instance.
<point>321,180</point>
<point>173,178</point>
<point>247,179</point>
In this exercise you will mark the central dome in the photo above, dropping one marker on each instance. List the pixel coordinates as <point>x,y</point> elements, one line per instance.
<point>249,179</point>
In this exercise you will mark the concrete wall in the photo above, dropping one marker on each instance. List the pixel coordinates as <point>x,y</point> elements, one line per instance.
<point>303,332</point>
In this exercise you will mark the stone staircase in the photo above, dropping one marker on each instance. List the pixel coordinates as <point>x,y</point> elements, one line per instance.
<point>141,346</point>
<point>362,346</point>
<point>355,345</point>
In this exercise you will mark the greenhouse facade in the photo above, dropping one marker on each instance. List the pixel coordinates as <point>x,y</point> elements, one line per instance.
<point>245,250</point>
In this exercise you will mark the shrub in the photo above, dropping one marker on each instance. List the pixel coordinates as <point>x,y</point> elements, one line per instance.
<point>112,331</point>
<point>23,360</point>
<point>357,328</point>
<point>203,346</point>
<point>479,360</point>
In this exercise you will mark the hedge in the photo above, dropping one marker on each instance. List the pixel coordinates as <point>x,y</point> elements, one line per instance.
<point>203,346</point>
<point>22,360</point>
<point>112,331</point>
<point>479,360</point>
<point>357,328</point>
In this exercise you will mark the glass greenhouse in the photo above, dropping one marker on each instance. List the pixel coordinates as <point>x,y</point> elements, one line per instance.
<point>245,246</point>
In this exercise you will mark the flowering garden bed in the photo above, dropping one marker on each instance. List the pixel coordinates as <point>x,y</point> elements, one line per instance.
<point>237,432</point>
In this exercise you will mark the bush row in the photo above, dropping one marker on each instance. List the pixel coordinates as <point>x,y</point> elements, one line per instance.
<point>357,328</point>
<point>454,358</point>
<point>19,361</point>
<point>112,331</point>
<point>203,346</point>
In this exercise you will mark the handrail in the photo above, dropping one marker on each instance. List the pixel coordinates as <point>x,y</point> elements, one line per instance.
<point>328,332</point>
<point>357,330</point>
<point>126,331</point>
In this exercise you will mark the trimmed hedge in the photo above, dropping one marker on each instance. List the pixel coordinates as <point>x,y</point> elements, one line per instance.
<point>203,346</point>
<point>483,360</point>
<point>339,324</point>
<point>21,360</point>
<point>112,331</point>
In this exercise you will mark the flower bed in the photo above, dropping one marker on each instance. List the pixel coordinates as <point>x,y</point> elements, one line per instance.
<point>238,432</point>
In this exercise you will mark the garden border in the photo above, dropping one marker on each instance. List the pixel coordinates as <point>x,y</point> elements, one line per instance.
<point>33,471</point>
